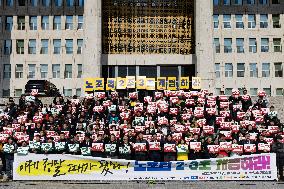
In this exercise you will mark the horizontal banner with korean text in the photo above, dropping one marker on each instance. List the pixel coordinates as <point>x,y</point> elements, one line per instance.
<point>141,83</point>
<point>69,167</point>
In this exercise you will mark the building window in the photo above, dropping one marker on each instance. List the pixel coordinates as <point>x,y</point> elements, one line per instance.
<point>215,2</point>
<point>227,20</point>
<point>20,46</point>
<point>56,46</point>
<point>263,21</point>
<point>250,2</point>
<point>44,46</point>
<point>276,20</point>
<point>31,71</point>
<point>263,2</point>
<point>18,92</point>
<point>228,91</point>
<point>68,71</point>
<point>217,70</point>
<point>80,71</point>
<point>81,3</point>
<point>275,1</point>
<point>6,93</point>
<point>265,69</point>
<point>217,45</point>
<point>240,69</point>
<point>9,23</point>
<point>216,21</point>
<point>19,71</point>
<point>7,71</point>
<point>240,45</point>
<point>227,2</point>
<point>46,3</point>
<point>67,92</point>
<point>58,3</point>
<point>277,45</point>
<point>43,71</point>
<point>21,22</point>
<point>253,70</point>
<point>252,45</point>
<point>70,3</point>
<point>45,22</point>
<point>151,71</point>
<point>228,70</point>
<point>33,3</point>
<point>264,44</point>
<point>33,23</point>
<point>7,46</point>
<point>238,2</point>
<point>251,21</point>
<point>9,3</point>
<point>79,46</point>
<point>228,45</point>
<point>278,69</point>
<point>279,92</point>
<point>253,91</point>
<point>239,21</point>
<point>267,91</point>
<point>57,23</point>
<point>69,46</point>
<point>69,23</point>
<point>80,22</point>
<point>78,92</point>
<point>32,46</point>
<point>56,71</point>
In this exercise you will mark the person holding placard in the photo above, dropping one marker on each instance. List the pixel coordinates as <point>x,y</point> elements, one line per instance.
<point>169,149</point>
<point>155,149</point>
<point>125,149</point>
<point>209,154</point>
<point>111,148</point>
<point>141,155</point>
<point>9,150</point>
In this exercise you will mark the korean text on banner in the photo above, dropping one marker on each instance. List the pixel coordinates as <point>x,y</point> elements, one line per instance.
<point>196,82</point>
<point>89,84</point>
<point>69,167</point>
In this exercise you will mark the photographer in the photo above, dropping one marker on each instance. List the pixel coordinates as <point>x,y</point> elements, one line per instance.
<point>278,148</point>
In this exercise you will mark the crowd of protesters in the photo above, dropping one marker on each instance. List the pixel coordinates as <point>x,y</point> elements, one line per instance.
<point>167,126</point>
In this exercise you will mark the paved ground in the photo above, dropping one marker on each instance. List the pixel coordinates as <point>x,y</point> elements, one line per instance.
<point>143,185</point>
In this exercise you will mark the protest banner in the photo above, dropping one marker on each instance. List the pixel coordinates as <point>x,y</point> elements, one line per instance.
<point>67,167</point>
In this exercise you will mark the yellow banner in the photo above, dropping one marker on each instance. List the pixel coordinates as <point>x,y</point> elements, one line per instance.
<point>161,83</point>
<point>184,83</point>
<point>130,82</point>
<point>120,83</point>
<point>110,85</point>
<point>172,85</point>
<point>141,82</point>
<point>196,83</point>
<point>89,84</point>
<point>99,84</point>
<point>151,84</point>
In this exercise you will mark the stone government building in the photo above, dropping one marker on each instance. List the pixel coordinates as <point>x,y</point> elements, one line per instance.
<point>228,43</point>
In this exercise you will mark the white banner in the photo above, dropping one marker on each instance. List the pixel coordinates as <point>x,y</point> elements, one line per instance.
<point>69,167</point>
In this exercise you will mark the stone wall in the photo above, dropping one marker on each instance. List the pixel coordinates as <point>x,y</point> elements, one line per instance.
<point>277,102</point>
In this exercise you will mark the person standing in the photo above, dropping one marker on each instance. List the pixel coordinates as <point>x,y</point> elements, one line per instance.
<point>9,149</point>
<point>278,148</point>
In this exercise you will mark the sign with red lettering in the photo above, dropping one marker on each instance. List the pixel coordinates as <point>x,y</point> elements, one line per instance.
<point>169,148</point>
<point>195,145</point>
<point>154,146</point>
<point>97,147</point>
<point>140,147</point>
